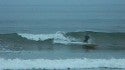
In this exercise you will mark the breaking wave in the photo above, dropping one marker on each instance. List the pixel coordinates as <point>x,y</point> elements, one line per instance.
<point>58,37</point>
<point>28,41</point>
<point>61,63</point>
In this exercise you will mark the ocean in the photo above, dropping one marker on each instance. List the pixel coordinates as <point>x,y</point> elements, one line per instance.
<point>50,34</point>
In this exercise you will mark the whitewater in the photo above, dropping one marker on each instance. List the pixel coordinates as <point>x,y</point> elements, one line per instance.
<point>61,63</point>
<point>50,34</point>
<point>58,37</point>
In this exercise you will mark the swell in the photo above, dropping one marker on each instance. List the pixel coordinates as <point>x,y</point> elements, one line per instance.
<point>101,38</point>
<point>14,41</point>
<point>35,41</point>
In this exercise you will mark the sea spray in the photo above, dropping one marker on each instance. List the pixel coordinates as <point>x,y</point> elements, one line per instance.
<point>61,63</point>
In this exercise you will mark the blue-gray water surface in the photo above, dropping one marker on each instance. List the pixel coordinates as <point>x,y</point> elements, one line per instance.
<point>50,16</point>
<point>40,34</point>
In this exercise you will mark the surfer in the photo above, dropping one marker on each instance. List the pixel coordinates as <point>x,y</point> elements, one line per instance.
<point>86,39</point>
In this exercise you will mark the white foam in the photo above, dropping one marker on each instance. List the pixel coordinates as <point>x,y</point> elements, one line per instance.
<point>58,37</point>
<point>61,64</point>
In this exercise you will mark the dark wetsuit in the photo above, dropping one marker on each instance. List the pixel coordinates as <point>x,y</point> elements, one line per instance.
<point>86,38</point>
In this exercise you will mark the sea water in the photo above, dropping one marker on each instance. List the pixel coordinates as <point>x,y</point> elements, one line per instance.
<point>42,34</point>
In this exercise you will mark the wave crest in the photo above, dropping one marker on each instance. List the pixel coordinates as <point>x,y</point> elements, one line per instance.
<point>58,37</point>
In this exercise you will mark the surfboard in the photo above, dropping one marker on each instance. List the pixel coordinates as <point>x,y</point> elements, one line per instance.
<point>82,43</point>
<point>90,45</point>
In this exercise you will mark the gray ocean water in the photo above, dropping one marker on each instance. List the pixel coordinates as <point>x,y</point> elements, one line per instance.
<point>40,34</point>
<point>50,16</point>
